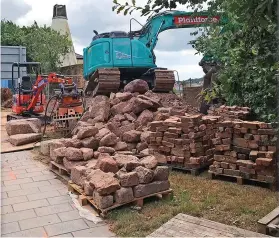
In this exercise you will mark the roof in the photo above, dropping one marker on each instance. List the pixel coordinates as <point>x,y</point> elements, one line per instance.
<point>78,56</point>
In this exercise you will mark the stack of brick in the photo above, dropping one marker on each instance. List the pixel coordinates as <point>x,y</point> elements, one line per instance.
<point>183,141</point>
<point>230,112</point>
<point>224,157</point>
<point>120,179</point>
<point>250,153</point>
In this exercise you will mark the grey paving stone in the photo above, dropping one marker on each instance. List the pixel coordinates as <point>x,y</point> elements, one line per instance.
<point>38,221</point>
<point>52,209</point>
<point>4,195</point>
<point>14,200</point>
<point>63,191</point>
<point>44,177</point>
<point>37,196</point>
<point>56,182</point>
<point>35,169</point>
<point>6,209</point>
<point>65,227</point>
<point>8,177</point>
<point>23,167</point>
<point>9,228</point>
<point>10,188</point>
<point>98,231</point>
<point>18,181</point>
<point>64,235</point>
<point>6,169</point>
<point>35,184</point>
<point>30,205</point>
<point>58,200</point>
<point>92,224</point>
<point>17,216</point>
<point>70,215</point>
<point>36,232</point>
<point>52,187</point>
<point>15,172</point>
<point>29,175</point>
<point>20,192</point>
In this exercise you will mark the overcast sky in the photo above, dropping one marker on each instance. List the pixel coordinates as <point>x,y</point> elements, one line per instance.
<point>84,16</point>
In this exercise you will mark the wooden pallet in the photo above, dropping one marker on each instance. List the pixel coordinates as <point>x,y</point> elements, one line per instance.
<point>59,170</point>
<point>240,180</point>
<point>193,171</point>
<point>84,199</point>
<point>269,224</point>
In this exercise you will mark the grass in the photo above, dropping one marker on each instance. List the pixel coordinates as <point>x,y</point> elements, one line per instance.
<point>220,201</point>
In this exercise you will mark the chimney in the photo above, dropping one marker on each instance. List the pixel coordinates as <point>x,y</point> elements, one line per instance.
<point>60,24</point>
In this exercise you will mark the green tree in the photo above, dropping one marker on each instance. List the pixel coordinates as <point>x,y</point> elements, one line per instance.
<point>246,49</point>
<point>42,43</point>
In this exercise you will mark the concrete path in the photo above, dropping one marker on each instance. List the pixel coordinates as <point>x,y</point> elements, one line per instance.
<point>35,204</point>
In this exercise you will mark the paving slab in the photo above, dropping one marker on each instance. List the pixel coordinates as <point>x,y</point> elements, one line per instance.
<point>99,231</point>
<point>17,216</point>
<point>9,227</point>
<point>36,232</point>
<point>38,221</point>
<point>52,209</point>
<point>65,227</point>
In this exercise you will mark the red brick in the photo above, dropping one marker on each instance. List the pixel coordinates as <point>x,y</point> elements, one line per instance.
<point>232,172</point>
<point>246,170</point>
<point>224,165</point>
<point>257,137</point>
<point>202,127</point>
<point>242,156</point>
<point>248,136</point>
<point>217,164</point>
<point>178,141</point>
<point>195,160</point>
<point>161,129</point>
<point>159,139</point>
<point>195,145</point>
<point>246,163</point>
<point>226,141</point>
<point>168,144</point>
<point>223,135</point>
<point>264,161</point>
<point>253,155</point>
<point>267,131</point>
<point>241,142</point>
<point>216,141</point>
<point>174,130</point>
<point>155,124</point>
<point>178,151</point>
<point>222,147</point>
<point>164,149</point>
<point>252,144</point>
<point>272,148</point>
<point>251,125</point>
<point>241,150</point>
<point>170,135</point>
<point>232,166</point>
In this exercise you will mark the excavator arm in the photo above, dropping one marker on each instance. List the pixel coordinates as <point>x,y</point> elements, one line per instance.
<point>40,84</point>
<point>175,20</point>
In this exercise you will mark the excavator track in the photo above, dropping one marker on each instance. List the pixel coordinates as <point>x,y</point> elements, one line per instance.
<point>104,81</point>
<point>164,80</point>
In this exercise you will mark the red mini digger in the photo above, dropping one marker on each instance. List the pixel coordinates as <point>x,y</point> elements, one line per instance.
<point>29,99</point>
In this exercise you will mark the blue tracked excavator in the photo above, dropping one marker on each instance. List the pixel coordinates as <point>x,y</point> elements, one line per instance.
<point>113,59</point>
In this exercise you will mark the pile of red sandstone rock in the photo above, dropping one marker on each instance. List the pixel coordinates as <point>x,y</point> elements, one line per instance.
<point>246,149</point>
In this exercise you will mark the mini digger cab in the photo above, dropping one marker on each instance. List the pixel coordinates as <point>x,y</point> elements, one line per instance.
<point>29,99</point>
